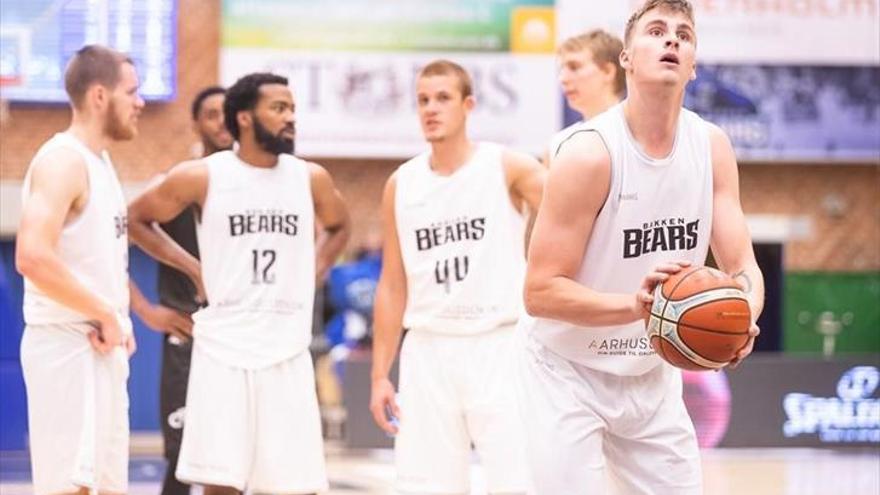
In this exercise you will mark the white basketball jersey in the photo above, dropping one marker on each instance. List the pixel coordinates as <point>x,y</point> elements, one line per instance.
<point>558,138</point>
<point>461,241</point>
<point>93,246</point>
<point>657,210</point>
<point>257,246</point>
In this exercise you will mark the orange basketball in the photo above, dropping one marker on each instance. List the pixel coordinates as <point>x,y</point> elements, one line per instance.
<point>700,318</point>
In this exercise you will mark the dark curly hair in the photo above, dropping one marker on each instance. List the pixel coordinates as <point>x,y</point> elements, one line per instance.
<point>243,95</point>
<point>202,96</point>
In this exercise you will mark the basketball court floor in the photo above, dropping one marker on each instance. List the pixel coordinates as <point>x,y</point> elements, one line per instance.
<point>726,472</point>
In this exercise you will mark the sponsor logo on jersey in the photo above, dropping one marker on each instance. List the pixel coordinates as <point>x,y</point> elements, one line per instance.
<point>636,346</point>
<point>668,234</point>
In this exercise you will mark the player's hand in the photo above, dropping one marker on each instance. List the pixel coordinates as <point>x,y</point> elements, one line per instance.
<point>169,321</point>
<point>201,294</point>
<point>106,334</point>
<point>657,275</point>
<point>383,402</point>
<point>130,345</point>
<point>754,331</point>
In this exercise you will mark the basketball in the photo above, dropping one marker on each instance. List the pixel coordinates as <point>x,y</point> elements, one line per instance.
<point>699,319</point>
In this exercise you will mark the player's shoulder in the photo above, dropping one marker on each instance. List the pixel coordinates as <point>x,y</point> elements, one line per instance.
<point>418,161</point>
<point>61,162</point>
<point>718,138</point>
<point>584,153</point>
<point>195,166</point>
<point>517,161</point>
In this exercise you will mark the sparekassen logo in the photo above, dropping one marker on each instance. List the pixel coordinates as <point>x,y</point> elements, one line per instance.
<point>852,416</point>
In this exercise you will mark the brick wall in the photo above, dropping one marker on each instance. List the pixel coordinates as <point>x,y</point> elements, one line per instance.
<point>839,201</point>
<point>165,136</point>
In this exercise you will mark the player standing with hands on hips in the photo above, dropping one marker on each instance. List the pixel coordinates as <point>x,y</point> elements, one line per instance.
<point>252,419</point>
<point>72,250</point>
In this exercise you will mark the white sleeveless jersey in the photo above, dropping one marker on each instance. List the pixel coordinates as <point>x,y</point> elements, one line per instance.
<point>561,136</point>
<point>461,240</point>
<point>257,245</point>
<point>656,211</point>
<point>93,246</point>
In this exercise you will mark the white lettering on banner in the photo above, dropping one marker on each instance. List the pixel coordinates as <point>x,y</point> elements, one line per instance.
<point>791,32</point>
<point>852,416</point>
<point>363,104</point>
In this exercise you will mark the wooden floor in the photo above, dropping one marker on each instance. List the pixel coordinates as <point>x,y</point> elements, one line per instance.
<point>726,472</point>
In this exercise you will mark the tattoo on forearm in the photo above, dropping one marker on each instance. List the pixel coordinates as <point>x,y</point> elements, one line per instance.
<point>746,281</point>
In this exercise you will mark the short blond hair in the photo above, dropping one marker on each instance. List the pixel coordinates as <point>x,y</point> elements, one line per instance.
<point>677,6</point>
<point>605,48</point>
<point>442,67</point>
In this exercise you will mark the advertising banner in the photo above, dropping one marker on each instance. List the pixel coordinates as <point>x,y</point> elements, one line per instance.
<point>782,401</point>
<point>352,67</point>
<point>792,112</point>
<point>801,32</point>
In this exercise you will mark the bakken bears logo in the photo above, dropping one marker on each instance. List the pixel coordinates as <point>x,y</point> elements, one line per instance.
<point>668,234</point>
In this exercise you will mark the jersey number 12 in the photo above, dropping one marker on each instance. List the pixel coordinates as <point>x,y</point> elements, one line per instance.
<point>262,263</point>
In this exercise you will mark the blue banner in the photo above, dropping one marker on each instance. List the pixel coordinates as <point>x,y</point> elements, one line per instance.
<point>792,112</point>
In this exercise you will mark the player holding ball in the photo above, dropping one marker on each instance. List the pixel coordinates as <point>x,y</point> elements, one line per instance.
<point>635,195</point>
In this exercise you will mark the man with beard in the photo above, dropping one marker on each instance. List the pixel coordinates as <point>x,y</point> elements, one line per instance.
<point>72,249</point>
<point>252,418</point>
<point>177,295</point>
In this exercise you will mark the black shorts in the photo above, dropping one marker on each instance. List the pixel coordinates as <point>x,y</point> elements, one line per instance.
<point>176,358</point>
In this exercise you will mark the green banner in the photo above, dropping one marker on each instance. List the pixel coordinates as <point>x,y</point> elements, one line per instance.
<point>371,25</point>
<point>843,305</point>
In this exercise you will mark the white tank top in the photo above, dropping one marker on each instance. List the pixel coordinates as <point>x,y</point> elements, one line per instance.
<point>93,246</point>
<point>461,241</point>
<point>656,211</point>
<point>257,245</point>
<point>559,137</point>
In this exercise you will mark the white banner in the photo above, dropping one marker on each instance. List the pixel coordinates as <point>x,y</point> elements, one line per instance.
<point>363,104</point>
<point>777,32</point>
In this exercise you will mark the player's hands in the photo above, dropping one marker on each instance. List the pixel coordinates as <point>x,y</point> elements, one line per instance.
<point>106,334</point>
<point>657,275</point>
<point>754,331</point>
<point>382,403</point>
<point>166,320</point>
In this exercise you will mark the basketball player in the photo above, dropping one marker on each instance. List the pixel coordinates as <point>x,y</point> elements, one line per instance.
<point>72,249</point>
<point>251,412</point>
<point>452,269</point>
<point>177,295</point>
<point>591,77</point>
<point>633,196</point>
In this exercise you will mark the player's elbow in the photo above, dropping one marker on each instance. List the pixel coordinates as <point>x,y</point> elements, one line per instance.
<point>138,226</point>
<point>535,297</point>
<point>28,260</point>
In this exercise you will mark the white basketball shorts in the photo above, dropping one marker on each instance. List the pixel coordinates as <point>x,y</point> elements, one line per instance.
<point>455,390</point>
<point>77,410</point>
<point>580,421</point>
<point>258,429</point>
